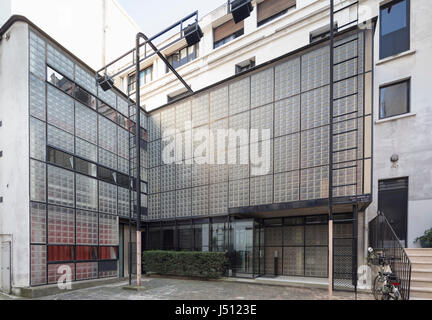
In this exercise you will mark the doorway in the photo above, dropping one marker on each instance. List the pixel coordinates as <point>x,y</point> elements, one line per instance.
<point>393,203</point>
<point>6,267</point>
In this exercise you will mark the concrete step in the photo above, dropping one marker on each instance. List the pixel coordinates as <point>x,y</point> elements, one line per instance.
<point>415,258</point>
<point>416,266</point>
<point>421,251</point>
<point>419,282</point>
<point>420,299</point>
<point>422,293</point>
<point>423,274</point>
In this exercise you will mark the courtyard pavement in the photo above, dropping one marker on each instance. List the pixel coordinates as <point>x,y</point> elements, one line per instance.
<point>175,289</point>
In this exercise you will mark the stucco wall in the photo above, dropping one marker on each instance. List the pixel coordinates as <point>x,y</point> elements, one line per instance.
<point>14,142</point>
<point>408,136</point>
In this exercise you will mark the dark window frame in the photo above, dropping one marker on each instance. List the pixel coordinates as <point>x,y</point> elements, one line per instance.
<point>132,79</point>
<point>228,38</point>
<point>395,34</point>
<point>408,82</point>
<point>189,56</point>
<point>275,16</point>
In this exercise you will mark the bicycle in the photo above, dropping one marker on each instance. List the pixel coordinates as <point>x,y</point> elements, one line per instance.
<point>386,284</point>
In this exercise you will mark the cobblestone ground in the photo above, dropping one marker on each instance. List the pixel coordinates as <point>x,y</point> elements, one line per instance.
<point>174,289</point>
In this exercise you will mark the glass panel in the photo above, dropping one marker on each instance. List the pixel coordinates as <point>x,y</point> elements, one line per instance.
<point>60,158</point>
<point>60,110</point>
<point>59,81</point>
<point>86,123</point>
<point>37,55</point>
<point>37,98</point>
<point>85,79</point>
<point>107,135</point>
<point>61,226</point>
<point>85,271</point>
<point>38,259</point>
<point>394,100</point>
<point>86,193</point>
<point>86,227</point>
<point>60,253</point>
<point>37,181</point>
<point>393,17</point>
<point>107,198</point>
<point>55,271</point>
<point>60,139</point>
<point>85,97</point>
<point>61,187</point>
<point>38,222</point>
<point>108,230</point>
<point>37,139</point>
<point>86,167</point>
<point>86,253</point>
<point>60,62</point>
<point>85,150</point>
<point>108,253</point>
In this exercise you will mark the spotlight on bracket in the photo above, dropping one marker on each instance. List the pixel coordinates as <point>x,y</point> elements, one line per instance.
<point>241,9</point>
<point>106,82</point>
<point>193,34</point>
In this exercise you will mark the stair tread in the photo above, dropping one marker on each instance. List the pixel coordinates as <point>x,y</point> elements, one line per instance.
<point>421,279</point>
<point>421,289</point>
<point>419,256</point>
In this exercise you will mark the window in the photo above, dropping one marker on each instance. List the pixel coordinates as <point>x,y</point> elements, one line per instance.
<point>269,10</point>
<point>394,28</point>
<point>59,81</point>
<point>321,33</point>
<point>60,158</point>
<point>83,96</point>
<point>107,111</point>
<point>183,56</point>
<point>244,66</point>
<point>394,99</point>
<point>227,32</point>
<point>146,76</point>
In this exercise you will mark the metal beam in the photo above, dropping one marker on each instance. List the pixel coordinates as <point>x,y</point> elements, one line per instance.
<point>330,190</point>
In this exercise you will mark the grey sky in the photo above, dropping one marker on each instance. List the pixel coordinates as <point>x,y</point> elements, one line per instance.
<point>155,15</point>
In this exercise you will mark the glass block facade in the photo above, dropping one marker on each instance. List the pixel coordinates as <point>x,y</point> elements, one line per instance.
<point>202,178</point>
<point>204,195</point>
<point>80,168</point>
<point>290,99</point>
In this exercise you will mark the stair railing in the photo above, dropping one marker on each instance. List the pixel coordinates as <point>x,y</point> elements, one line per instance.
<point>382,237</point>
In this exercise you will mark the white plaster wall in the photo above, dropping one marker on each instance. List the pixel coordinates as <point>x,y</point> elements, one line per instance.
<point>14,142</point>
<point>408,136</point>
<point>79,26</point>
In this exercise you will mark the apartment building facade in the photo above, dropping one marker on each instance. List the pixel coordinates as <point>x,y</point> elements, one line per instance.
<point>72,143</point>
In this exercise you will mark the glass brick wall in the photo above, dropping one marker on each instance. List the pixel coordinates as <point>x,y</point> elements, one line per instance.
<point>290,98</point>
<point>79,167</point>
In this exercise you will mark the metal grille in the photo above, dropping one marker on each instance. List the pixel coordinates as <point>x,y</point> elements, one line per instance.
<point>345,252</point>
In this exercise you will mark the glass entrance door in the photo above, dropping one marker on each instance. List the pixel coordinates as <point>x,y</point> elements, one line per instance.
<point>242,240</point>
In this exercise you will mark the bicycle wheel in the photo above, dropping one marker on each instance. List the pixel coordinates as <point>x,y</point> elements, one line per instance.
<point>378,288</point>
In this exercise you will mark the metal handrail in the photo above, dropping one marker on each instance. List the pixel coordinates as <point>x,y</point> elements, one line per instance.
<point>382,237</point>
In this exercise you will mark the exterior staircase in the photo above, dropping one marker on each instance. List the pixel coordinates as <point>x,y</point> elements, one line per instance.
<point>421,275</point>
